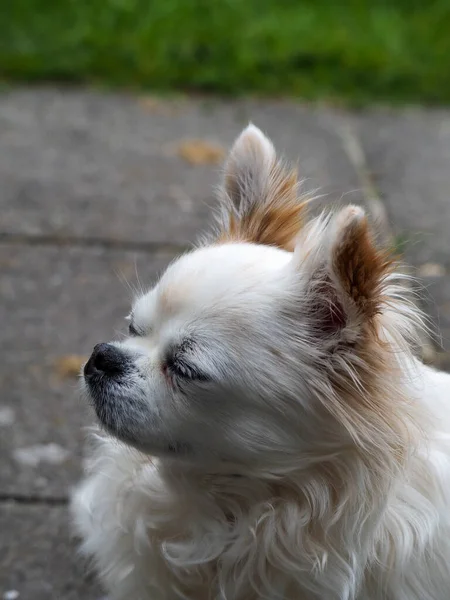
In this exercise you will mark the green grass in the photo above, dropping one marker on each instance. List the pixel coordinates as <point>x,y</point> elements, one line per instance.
<point>372,50</point>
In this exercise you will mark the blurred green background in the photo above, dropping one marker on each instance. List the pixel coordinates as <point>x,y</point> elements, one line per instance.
<point>353,52</point>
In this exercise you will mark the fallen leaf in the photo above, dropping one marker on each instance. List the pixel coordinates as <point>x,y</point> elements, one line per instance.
<point>200,152</point>
<point>150,103</point>
<point>69,366</point>
<point>8,263</point>
<point>157,105</point>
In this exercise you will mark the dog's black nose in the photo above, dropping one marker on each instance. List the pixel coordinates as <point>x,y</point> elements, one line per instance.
<point>105,359</point>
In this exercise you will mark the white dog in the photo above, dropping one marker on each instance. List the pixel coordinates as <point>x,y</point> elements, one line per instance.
<point>266,430</point>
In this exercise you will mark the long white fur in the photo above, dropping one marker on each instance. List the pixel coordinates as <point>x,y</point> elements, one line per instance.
<point>257,511</point>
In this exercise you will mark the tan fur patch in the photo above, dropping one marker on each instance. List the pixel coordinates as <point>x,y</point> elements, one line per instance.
<point>361,267</point>
<point>275,220</point>
<point>378,411</point>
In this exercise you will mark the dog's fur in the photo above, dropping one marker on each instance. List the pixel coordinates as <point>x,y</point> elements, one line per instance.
<point>271,435</point>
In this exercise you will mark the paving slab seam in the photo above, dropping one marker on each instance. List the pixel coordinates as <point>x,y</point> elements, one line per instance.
<point>32,500</point>
<point>356,155</point>
<point>101,243</point>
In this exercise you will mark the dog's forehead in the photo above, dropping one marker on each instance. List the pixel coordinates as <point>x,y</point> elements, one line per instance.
<point>218,261</point>
<point>213,276</point>
<point>211,273</point>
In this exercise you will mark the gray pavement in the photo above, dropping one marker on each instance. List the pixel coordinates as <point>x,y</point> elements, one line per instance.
<point>92,192</point>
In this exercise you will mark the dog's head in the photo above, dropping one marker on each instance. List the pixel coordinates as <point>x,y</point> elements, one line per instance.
<point>251,349</point>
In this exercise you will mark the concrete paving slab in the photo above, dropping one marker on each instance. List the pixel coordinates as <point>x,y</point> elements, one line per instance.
<point>55,302</point>
<point>88,164</point>
<point>408,153</point>
<point>38,556</point>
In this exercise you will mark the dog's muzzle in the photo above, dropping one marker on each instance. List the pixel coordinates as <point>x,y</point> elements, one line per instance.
<point>106,360</point>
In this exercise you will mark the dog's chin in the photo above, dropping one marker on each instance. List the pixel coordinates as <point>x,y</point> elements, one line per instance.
<point>127,428</point>
<point>174,450</point>
<point>152,447</point>
<point>118,418</point>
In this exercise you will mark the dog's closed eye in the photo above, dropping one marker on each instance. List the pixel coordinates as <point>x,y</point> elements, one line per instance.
<point>182,369</point>
<point>177,363</point>
<point>134,331</point>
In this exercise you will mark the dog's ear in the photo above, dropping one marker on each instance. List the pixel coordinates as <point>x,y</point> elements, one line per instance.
<point>259,194</point>
<point>357,264</point>
<point>346,271</point>
<point>247,169</point>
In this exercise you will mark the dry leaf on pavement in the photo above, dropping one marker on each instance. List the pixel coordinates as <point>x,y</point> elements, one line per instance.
<point>69,366</point>
<point>200,152</point>
<point>159,106</point>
